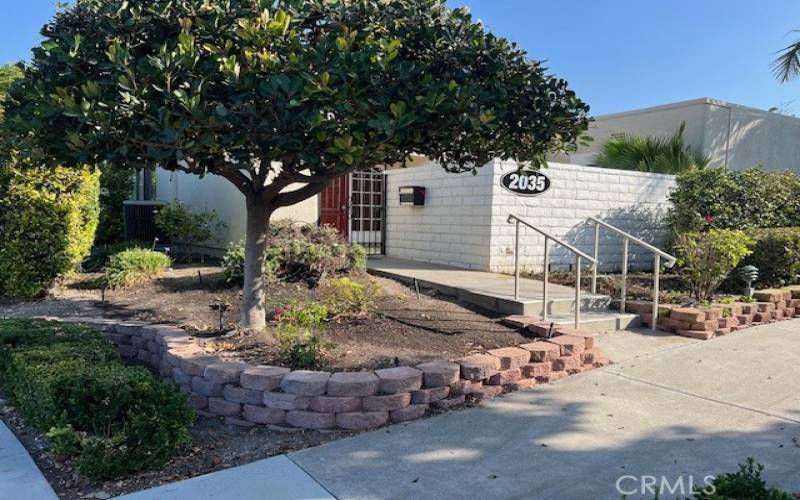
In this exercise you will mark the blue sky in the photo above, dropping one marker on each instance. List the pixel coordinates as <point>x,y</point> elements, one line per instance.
<point>617,54</point>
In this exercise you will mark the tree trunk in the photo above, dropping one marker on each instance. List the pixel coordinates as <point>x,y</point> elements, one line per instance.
<point>253,292</point>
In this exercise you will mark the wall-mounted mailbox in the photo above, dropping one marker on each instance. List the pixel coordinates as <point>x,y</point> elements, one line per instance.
<point>412,195</point>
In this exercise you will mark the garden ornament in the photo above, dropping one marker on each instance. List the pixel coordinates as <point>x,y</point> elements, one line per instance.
<point>749,274</point>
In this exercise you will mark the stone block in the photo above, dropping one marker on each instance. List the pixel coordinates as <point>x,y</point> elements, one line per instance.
<point>262,378</point>
<point>714,313</point>
<point>284,401</point>
<point>223,407</point>
<point>765,307</point>
<point>568,363</point>
<point>362,420</point>
<point>519,385</point>
<point>305,382</point>
<point>587,337</point>
<point>460,387</point>
<point>535,370</point>
<point>139,342</point>
<point>727,322</point>
<point>198,401</point>
<point>745,319</point>
<point>426,396</point>
<point>777,314</point>
<point>196,365</point>
<point>478,366</point>
<point>399,379</point>
<point>332,404</point>
<point>696,334</point>
<point>719,332</point>
<point>128,351</point>
<point>504,377</point>
<point>205,387</point>
<point>708,325</point>
<point>588,357</point>
<point>568,344</point>
<point>238,394</point>
<point>789,312</point>
<point>542,351</point>
<point>310,419</point>
<point>179,377</point>
<point>541,329</point>
<point>389,402</point>
<point>687,314</point>
<point>265,416</point>
<point>224,372</point>
<point>238,422</point>
<point>353,384</point>
<point>451,402</point>
<point>511,357</point>
<point>557,375</point>
<point>518,321</point>
<point>130,327</point>
<point>769,296</point>
<point>144,356</point>
<point>153,347</point>
<point>411,412</point>
<point>439,373</point>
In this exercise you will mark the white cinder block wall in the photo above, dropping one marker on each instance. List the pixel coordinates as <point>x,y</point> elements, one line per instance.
<point>464,220</point>
<point>635,202</point>
<point>452,228</point>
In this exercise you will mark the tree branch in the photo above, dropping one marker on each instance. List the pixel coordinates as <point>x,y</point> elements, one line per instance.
<point>309,190</point>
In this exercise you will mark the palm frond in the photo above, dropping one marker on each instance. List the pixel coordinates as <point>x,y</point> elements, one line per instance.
<point>787,65</point>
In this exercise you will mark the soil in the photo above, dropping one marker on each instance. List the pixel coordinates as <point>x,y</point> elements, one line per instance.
<point>639,285</point>
<point>403,328</point>
<point>216,446</point>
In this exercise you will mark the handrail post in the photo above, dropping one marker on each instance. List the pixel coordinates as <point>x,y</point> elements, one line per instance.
<point>577,291</point>
<point>596,254</point>
<point>516,263</point>
<point>624,276</point>
<point>546,277</point>
<point>656,270</point>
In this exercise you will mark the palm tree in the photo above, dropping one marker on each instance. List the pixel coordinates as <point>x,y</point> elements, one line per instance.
<point>663,155</point>
<point>787,65</point>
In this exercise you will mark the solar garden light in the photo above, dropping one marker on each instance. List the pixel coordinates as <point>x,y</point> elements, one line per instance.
<point>749,274</point>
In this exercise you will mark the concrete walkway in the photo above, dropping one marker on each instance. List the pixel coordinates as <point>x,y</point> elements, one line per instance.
<point>672,407</point>
<point>276,478</point>
<point>20,479</point>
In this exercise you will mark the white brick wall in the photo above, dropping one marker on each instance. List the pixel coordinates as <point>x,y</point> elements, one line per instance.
<point>464,220</point>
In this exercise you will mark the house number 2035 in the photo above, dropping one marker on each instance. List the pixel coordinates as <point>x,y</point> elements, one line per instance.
<point>525,182</point>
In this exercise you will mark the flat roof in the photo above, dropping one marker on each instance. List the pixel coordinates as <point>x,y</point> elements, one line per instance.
<point>685,104</point>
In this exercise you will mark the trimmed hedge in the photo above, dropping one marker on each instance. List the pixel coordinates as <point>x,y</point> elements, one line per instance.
<point>776,254</point>
<point>133,266</point>
<point>48,219</point>
<point>752,198</point>
<point>68,381</point>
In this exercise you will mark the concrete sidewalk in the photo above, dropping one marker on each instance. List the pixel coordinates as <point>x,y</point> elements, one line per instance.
<point>673,407</point>
<point>20,479</point>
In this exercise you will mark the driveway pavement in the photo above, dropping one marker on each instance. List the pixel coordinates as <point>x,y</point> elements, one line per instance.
<point>671,407</point>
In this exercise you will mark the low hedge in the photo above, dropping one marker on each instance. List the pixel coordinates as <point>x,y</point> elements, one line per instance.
<point>69,382</point>
<point>776,254</point>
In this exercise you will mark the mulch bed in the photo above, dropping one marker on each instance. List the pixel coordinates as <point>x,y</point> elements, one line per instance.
<point>216,446</point>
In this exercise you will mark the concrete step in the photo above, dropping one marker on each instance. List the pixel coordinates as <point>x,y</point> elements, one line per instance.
<point>590,321</point>
<point>560,306</point>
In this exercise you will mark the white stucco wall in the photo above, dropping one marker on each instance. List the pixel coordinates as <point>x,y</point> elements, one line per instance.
<point>464,220</point>
<point>215,193</point>
<point>732,135</point>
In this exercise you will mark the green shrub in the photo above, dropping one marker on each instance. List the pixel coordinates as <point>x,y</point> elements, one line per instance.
<point>100,255</point>
<point>48,219</point>
<point>706,259</point>
<point>744,484</point>
<point>299,252</point>
<point>185,227</point>
<point>69,382</point>
<point>345,296</point>
<point>752,198</point>
<point>776,254</point>
<point>134,266</point>
<point>308,315</point>
<point>116,186</point>
<point>299,347</point>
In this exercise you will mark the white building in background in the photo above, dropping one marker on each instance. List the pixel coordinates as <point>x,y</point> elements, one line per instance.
<point>732,135</point>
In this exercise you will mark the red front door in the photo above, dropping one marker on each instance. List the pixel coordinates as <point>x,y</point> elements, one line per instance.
<point>333,205</point>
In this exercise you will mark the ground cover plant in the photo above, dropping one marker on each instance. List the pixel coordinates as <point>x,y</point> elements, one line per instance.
<point>133,266</point>
<point>746,483</point>
<point>69,382</point>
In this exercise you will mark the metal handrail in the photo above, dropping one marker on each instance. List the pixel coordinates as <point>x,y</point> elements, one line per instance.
<point>628,238</point>
<point>547,237</point>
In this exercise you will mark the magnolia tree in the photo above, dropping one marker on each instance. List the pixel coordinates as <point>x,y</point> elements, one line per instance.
<point>270,93</point>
